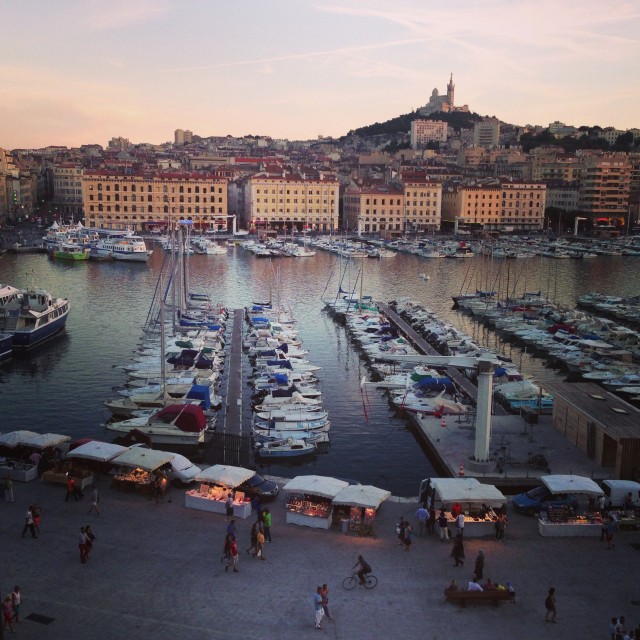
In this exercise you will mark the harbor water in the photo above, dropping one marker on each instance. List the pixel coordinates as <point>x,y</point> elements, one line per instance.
<point>61,386</point>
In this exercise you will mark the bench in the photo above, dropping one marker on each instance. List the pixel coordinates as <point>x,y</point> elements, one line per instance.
<point>493,596</point>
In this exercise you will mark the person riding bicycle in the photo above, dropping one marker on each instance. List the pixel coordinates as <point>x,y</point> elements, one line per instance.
<point>364,568</point>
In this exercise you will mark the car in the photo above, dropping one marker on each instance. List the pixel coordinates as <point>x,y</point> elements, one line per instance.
<point>258,486</point>
<point>540,499</point>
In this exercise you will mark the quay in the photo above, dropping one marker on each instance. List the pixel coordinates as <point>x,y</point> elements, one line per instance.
<point>523,451</point>
<point>155,572</point>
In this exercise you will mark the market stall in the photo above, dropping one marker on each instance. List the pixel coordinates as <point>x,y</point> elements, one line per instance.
<point>561,521</point>
<point>309,500</point>
<point>477,501</point>
<point>92,451</point>
<point>363,502</point>
<point>138,469</point>
<point>217,483</point>
<point>22,452</point>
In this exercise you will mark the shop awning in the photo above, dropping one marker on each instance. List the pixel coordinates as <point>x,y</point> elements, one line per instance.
<point>96,450</point>
<point>225,475</point>
<point>14,438</point>
<point>361,495</point>
<point>322,486</point>
<point>466,491</point>
<point>571,484</point>
<point>43,440</point>
<point>147,459</point>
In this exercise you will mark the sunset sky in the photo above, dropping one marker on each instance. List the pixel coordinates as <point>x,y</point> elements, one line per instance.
<point>83,71</point>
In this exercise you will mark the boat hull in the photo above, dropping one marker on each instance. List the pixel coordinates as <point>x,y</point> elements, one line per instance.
<point>25,339</point>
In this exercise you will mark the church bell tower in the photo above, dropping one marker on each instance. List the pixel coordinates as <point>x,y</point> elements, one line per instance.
<point>450,89</point>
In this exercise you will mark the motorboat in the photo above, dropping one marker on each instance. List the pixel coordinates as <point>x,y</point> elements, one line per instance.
<point>289,448</point>
<point>175,424</point>
<point>69,251</point>
<point>31,316</point>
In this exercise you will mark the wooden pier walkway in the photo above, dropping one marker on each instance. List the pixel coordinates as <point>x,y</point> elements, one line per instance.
<point>461,381</point>
<point>233,405</point>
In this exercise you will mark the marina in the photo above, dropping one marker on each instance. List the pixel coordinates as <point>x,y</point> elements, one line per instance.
<point>369,440</point>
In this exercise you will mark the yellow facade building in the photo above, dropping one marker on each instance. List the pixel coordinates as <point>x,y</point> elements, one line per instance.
<point>284,201</point>
<point>412,204</point>
<point>142,201</point>
<point>506,205</point>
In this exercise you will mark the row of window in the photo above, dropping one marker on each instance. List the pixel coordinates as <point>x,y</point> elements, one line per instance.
<point>165,209</point>
<point>303,192</point>
<point>266,211</point>
<point>150,198</point>
<point>165,188</point>
<point>295,201</point>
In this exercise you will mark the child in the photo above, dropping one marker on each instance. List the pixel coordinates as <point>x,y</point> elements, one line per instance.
<point>16,600</point>
<point>7,613</point>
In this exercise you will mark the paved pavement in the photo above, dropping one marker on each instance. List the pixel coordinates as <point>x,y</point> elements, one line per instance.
<point>155,572</point>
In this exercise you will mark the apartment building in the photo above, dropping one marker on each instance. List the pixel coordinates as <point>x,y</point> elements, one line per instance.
<point>182,136</point>
<point>486,133</point>
<point>605,185</point>
<point>67,190</point>
<point>496,205</point>
<point>561,169</point>
<point>146,200</point>
<point>282,200</point>
<point>410,204</point>
<point>425,131</point>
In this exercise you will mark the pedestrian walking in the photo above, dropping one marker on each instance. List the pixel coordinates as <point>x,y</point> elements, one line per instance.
<point>16,599</point>
<point>235,556</point>
<point>95,499</point>
<point>260,545</point>
<point>400,527</point>
<point>37,511</point>
<point>8,489</point>
<point>460,523</point>
<point>228,505</point>
<point>422,515</point>
<point>500,526</point>
<point>407,539</point>
<point>325,601</point>
<point>266,515</point>
<point>317,603</point>
<point>7,614</point>
<point>443,527</point>
<point>82,545</point>
<point>231,529</point>
<point>254,539</point>
<point>71,489</point>
<point>611,528</point>
<point>431,522</point>
<point>550,606</point>
<point>91,538</point>
<point>29,523</point>
<point>256,505</point>
<point>479,568</point>
<point>457,552</point>
<point>226,552</point>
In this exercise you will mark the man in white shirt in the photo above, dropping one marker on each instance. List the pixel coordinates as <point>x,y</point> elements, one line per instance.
<point>474,586</point>
<point>460,523</point>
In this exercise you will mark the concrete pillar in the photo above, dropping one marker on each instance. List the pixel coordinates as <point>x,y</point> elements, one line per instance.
<point>483,417</point>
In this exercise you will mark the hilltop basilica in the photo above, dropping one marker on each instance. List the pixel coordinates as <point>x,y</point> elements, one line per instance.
<point>442,103</point>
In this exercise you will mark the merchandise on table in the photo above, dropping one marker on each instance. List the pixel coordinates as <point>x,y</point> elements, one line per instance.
<point>213,498</point>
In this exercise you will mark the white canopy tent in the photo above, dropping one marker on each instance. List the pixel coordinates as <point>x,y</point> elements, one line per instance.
<point>225,475</point>
<point>13,439</point>
<point>43,440</point>
<point>96,450</point>
<point>361,495</point>
<point>147,459</point>
<point>466,491</point>
<point>571,484</point>
<point>321,486</point>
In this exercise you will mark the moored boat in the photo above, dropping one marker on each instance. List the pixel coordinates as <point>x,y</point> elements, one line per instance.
<point>31,316</point>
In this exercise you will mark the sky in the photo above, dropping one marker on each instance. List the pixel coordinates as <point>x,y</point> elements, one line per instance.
<point>78,72</point>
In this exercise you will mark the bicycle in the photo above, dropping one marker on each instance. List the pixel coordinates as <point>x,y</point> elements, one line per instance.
<point>370,581</point>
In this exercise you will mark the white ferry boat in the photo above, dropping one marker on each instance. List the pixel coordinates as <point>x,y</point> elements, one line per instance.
<point>121,245</point>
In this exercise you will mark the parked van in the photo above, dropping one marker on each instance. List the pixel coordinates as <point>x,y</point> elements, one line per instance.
<point>615,492</point>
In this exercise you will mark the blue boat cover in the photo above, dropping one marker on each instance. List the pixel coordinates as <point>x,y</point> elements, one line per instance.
<point>200,392</point>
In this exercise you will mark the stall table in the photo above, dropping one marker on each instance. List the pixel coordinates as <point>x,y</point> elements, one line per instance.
<point>83,478</point>
<point>309,513</point>
<point>19,471</point>
<point>474,527</point>
<point>571,528</point>
<point>196,500</point>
